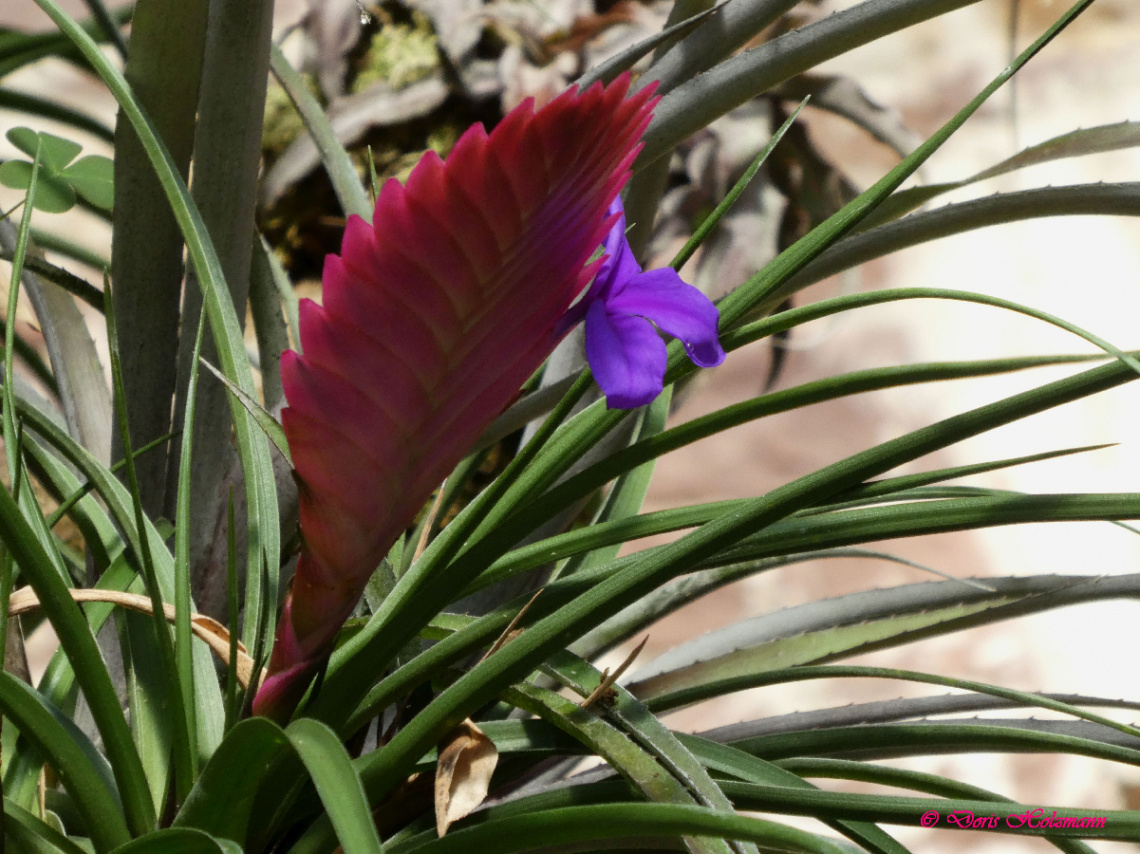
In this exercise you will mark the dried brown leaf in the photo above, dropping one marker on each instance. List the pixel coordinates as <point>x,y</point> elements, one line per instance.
<point>511,631</point>
<point>467,759</point>
<point>208,630</point>
<point>605,687</point>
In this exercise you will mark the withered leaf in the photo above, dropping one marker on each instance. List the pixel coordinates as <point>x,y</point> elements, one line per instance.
<point>206,629</point>
<point>467,759</point>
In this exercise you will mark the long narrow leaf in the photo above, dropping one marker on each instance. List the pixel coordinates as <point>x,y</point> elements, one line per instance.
<point>183,724</point>
<point>1074,144</point>
<point>645,729</point>
<point>758,291</point>
<point>643,574</point>
<point>337,784</point>
<point>84,772</point>
<point>615,747</point>
<point>164,71</point>
<point>263,525</point>
<point>222,800</point>
<point>24,102</point>
<point>32,835</point>
<point>342,173</point>
<point>179,840</point>
<point>227,154</point>
<point>1078,200</point>
<point>913,780</point>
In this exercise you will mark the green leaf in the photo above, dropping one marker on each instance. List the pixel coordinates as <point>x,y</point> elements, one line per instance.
<point>93,177</point>
<point>735,24</point>
<point>626,59</point>
<point>19,48</point>
<point>183,646</point>
<point>337,784</point>
<point>179,840</point>
<point>840,769</point>
<point>726,759</point>
<point>53,195</point>
<point>604,825</point>
<point>930,738</point>
<point>147,698</point>
<point>794,673</point>
<point>713,220</point>
<point>341,171</point>
<point>607,533</point>
<point>72,756</point>
<point>832,530</point>
<point>75,502</point>
<point>584,482</point>
<point>183,726</point>
<point>230,113</point>
<point>628,492</point>
<point>603,739</point>
<point>32,836</point>
<point>84,397</point>
<point>758,292</point>
<point>699,99</point>
<point>269,425</point>
<point>208,700</point>
<point>55,152</point>
<point>1077,200</point>
<point>677,593</point>
<point>285,290</point>
<point>269,324</point>
<point>147,264</point>
<point>109,26</point>
<point>1074,144</point>
<point>632,717</point>
<point>708,660</point>
<point>65,279</point>
<point>222,800</point>
<point>263,524</point>
<point>52,242</point>
<point>57,687</point>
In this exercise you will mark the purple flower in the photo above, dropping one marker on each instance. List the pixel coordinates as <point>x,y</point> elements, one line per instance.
<point>624,307</point>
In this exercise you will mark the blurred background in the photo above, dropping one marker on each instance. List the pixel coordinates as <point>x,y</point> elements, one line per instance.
<point>1086,270</point>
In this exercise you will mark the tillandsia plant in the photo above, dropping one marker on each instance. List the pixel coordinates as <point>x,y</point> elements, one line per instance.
<point>347,587</point>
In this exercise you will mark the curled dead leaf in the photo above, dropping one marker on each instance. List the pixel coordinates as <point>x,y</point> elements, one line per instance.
<point>467,759</point>
<point>208,630</point>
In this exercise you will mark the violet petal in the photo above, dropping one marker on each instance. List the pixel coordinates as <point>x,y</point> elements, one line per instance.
<point>626,355</point>
<point>676,308</point>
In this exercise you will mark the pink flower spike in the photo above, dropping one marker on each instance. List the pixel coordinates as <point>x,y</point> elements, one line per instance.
<point>432,319</point>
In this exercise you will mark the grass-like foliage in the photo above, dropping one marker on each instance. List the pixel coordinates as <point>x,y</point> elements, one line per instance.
<point>348,594</point>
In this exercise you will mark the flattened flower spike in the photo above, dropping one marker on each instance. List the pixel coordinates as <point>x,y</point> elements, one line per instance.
<point>623,310</point>
<point>433,317</point>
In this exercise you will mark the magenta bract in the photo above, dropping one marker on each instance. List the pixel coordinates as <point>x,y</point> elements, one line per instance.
<point>433,316</point>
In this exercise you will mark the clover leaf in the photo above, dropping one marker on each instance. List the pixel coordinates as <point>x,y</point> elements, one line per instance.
<point>60,179</point>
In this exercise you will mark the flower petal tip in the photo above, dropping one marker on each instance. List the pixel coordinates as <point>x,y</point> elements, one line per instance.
<point>706,354</point>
